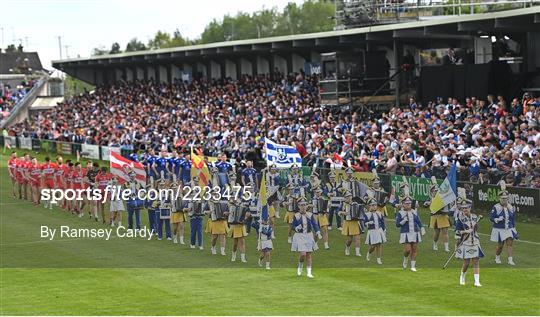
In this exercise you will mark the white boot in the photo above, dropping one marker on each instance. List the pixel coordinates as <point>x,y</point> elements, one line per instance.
<point>201,248</point>
<point>347,250</point>
<point>223,251</point>
<point>233,257</point>
<point>326,246</point>
<point>268,265</point>
<point>511,260</point>
<point>446,247</point>
<point>477,280</point>
<point>289,240</point>
<point>309,272</point>
<point>498,259</point>
<point>213,250</point>
<point>175,239</point>
<point>379,261</point>
<point>367,256</point>
<point>405,260</point>
<point>435,246</point>
<point>299,269</point>
<point>182,240</point>
<point>243,257</point>
<point>462,278</point>
<point>357,250</point>
<point>191,246</point>
<point>413,266</point>
<point>260,262</point>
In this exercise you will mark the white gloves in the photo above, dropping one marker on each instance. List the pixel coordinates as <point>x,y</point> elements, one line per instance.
<point>319,235</point>
<point>423,231</point>
<point>497,220</point>
<point>369,223</point>
<point>402,222</point>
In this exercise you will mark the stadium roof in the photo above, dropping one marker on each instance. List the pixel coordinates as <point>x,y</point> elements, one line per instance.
<point>12,62</point>
<point>453,27</point>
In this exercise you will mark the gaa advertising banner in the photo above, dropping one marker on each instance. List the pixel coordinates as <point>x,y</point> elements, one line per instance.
<point>63,148</point>
<point>90,151</point>
<point>25,143</point>
<point>525,200</point>
<point>418,186</point>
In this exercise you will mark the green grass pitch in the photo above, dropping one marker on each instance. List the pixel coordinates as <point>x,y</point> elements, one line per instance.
<point>139,277</point>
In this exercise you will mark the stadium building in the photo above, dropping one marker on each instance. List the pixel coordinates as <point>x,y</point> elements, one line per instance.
<point>374,61</point>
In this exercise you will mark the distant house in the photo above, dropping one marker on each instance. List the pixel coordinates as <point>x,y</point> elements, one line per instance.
<point>19,62</point>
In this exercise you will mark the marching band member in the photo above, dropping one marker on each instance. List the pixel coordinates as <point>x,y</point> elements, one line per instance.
<point>296,182</point>
<point>152,206</point>
<point>35,173</point>
<point>252,206</point>
<point>12,168</point>
<point>264,243</point>
<point>380,195</point>
<point>320,210</point>
<point>165,206</point>
<point>352,185</point>
<point>102,180</point>
<point>292,207</point>
<point>376,229</point>
<point>238,212</point>
<point>160,165</point>
<point>179,214</point>
<point>196,214</point>
<point>351,213</point>
<point>48,170</point>
<point>503,217</point>
<point>314,181</point>
<point>305,225</point>
<point>273,183</point>
<point>439,220</point>
<point>469,247</point>
<point>218,224</point>
<point>333,190</point>
<point>134,204</point>
<point>411,231</point>
<point>116,204</point>
<point>185,169</point>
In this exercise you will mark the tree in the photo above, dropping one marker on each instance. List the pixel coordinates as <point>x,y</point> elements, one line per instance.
<point>100,50</point>
<point>11,48</point>
<point>160,40</point>
<point>135,45</point>
<point>115,48</point>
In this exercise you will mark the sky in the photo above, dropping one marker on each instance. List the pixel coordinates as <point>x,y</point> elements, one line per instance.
<point>85,24</point>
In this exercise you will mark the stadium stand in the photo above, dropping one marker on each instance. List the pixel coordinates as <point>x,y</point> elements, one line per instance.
<point>489,137</point>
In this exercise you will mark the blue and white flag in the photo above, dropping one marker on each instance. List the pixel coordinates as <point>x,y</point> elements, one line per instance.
<point>282,156</point>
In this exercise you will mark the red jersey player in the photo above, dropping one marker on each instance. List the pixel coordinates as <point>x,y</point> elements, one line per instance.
<point>60,177</point>
<point>48,169</point>
<point>34,170</point>
<point>102,180</point>
<point>12,166</point>
<point>77,179</point>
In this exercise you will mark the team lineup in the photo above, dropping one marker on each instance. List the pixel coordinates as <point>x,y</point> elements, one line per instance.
<point>310,207</point>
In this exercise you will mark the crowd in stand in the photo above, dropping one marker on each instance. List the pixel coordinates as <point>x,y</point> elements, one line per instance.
<point>489,138</point>
<point>10,96</point>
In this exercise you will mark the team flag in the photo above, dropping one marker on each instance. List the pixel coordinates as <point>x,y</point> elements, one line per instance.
<point>263,201</point>
<point>121,167</point>
<point>446,193</point>
<point>282,156</point>
<point>199,169</point>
